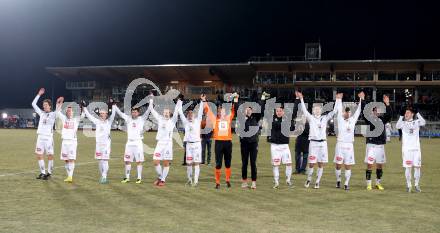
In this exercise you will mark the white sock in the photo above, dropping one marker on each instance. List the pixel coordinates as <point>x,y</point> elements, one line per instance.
<point>368,182</point>
<point>310,173</point>
<point>189,172</point>
<point>276,174</point>
<point>338,174</point>
<point>127,171</point>
<point>41,166</point>
<point>49,166</point>
<point>139,170</point>
<point>104,168</point>
<point>196,173</point>
<point>319,174</point>
<point>158,171</point>
<point>165,171</point>
<point>100,166</point>
<point>347,176</point>
<point>67,167</point>
<point>408,177</point>
<point>417,174</point>
<point>71,168</point>
<point>288,173</point>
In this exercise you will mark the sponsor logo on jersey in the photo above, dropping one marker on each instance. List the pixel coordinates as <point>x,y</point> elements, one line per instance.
<point>408,162</point>
<point>69,125</point>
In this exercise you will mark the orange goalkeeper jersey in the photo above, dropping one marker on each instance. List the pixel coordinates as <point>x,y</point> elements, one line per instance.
<point>222,127</point>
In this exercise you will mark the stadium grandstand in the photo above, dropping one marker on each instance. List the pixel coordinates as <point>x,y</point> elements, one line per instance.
<point>408,82</point>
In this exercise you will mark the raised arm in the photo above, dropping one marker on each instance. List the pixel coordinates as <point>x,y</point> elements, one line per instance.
<point>112,116</point>
<point>182,116</point>
<point>176,111</point>
<point>421,120</point>
<point>147,112</point>
<point>303,105</point>
<point>388,112</point>
<point>121,114</point>
<point>338,106</point>
<point>89,116</point>
<point>399,124</point>
<point>330,115</point>
<point>209,114</point>
<point>200,111</point>
<point>357,113</point>
<point>58,113</point>
<point>35,101</point>
<point>154,112</point>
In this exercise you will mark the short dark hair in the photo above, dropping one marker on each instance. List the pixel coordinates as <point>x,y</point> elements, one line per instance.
<point>411,110</point>
<point>347,109</point>
<point>135,109</point>
<point>48,101</point>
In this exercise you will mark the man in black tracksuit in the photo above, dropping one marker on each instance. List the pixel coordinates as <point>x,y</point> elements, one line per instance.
<point>279,148</point>
<point>302,143</point>
<point>375,152</point>
<point>249,149</point>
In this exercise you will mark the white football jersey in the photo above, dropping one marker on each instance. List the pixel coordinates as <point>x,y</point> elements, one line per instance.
<point>165,127</point>
<point>318,125</point>
<point>47,119</point>
<point>192,128</point>
<point>70,126</point>
<point>410,131</point>
<point>103,127</point>
<point>135,127</point>
<point>346,127</point>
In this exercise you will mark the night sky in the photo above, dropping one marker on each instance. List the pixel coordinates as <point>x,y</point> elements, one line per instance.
<point>35,34</point>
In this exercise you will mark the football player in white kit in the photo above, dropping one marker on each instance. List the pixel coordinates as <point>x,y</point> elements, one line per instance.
<point>44,135</point>
<point>193,142</point>
<point>344,151</point>
<point>134,148</point>
<point>164,147</point>
<point>103,140</point>
<point>411,153</point>
<point>69,143</point>
<point>318,151</point>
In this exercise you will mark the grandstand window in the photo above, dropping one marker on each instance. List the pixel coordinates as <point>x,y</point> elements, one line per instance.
<point>201,89</point>
<point>71,85</point>
<point>436,76</point>
<point>426,76</point>
<point>387,76</point>
<point>311,76</point>
<point>273,78</point>
<point>363,76</point>
<point>346,76</point>
<point>406,76</point>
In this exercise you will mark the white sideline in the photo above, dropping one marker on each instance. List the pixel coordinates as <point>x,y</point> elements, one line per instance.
<point>34,171</point>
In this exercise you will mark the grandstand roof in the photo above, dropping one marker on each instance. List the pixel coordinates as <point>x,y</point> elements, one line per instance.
<point>228,72</point>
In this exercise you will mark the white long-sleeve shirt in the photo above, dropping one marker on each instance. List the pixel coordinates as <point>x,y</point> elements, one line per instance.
<point>47,120</point>
<point>346,127</point>
<point>103,127</point>
<point>410,131</point>
<point>318,124</point>
<point>165,127</point>
<point>192,128</point>
<point>135,127</point>
<point>70,126</point>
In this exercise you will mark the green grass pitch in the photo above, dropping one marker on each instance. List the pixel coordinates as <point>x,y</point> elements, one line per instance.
<point>30,205</point>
